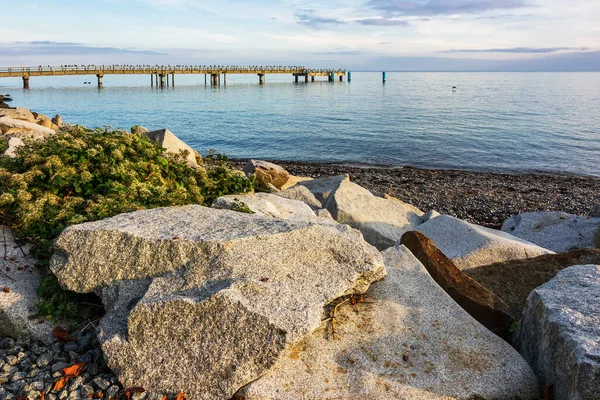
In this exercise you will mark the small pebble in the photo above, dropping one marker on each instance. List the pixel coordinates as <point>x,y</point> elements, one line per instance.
<point>101,382</point>
<point>71,346</point>
<point>59,366</point>
<point>112,391</point>
<point>7,343</point>
<point>18,376</point>
<point>44,359</point>
<point>85,391</point>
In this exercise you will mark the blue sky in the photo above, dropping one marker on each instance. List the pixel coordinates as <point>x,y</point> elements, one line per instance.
<point>353,34</point>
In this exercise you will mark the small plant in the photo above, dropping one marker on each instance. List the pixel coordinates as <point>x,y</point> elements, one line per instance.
<point>81,175</point>
<point>240,206</point>
<point>3,145</point>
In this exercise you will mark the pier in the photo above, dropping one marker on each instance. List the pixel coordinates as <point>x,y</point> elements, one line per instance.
<point>162,75</point>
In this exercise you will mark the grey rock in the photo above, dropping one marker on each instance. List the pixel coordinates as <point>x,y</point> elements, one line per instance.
<point>324,213</point>
<point>172,144</point>
<point>12,360</point>
<point>73,396</point>
<point>18,376</point>
<point>59,366</point>
<point>595,213</point>
<point>469,245</point>
<point>33,372</point>
<point>431,214</point>
<point>84,340</point>
<point>44,359</point>
<point>556,231</point>
<point>17,305</point>
<point>140,130</point>
<point>7,343</point>
<point>112,391</point>
<point>75,384</point>
<point>25,364</point>
<point>86,390</point>
<point>32,395</point>
<point>38,385</point>
<point>71,346</point>
<point>301,193</point>
<point>9,369</point>
<point>138,396</point>
<point>322,188</point>
<point>558,333</point>
<point>23,129</point>
<point>19,113</point>
<point>13,144</point>
<point>101,383</point>
<point>408,340</point>
<point>268,205</point>
<point>251,287</point>
<point>382,221</point>
<point>57,120</point>
<point>51,396</point>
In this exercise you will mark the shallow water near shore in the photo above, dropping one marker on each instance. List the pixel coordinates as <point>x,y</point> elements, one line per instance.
<point>510,122</point>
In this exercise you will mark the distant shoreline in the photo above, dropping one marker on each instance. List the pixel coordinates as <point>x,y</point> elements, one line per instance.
<point>485,198</point>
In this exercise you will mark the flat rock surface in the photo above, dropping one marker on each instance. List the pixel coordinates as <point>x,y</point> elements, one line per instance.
<point>301,193</point>
<point>19,301</point>
<point>514,280</point>
<point>382,221</point>
<point>556,231</point>
<point>269,205</point>
<point>559,334</point>
<point>23,129</point>
<point>249,287</point>
<point>408,340</point>
<point>470,245</point>
<point>323,187</point>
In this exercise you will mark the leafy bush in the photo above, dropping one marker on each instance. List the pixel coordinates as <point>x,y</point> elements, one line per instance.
<point>81,175</point>
<point>3,144</point>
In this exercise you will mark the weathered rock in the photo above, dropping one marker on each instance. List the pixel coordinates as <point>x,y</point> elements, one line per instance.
<point>483,305</point>
<point>139,130</point>
<point>249,286</point>
<point>267,173</point>
<point>20,301</point>
<point>324,213</point>
<point>556,231</point>
<point>595,213</point>
<point>172,144</point>
<point>18,113</point>
<point>560,330</point>
<point>301,193</point>
<point>294,180</point>
<point>268,205</point>
<point>57,120</point>
<point>514,280</point>
<point>408,340</point>
<point>23,129</point>
<point>382,221</point>
<point>470,245</point>
<point>322,188</point>
<point>13,144</point>
<point>431,214</point>
<point>46,122</point>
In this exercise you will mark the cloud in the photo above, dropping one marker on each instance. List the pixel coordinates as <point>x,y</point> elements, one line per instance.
<point>442,7</point>
<point>47,47</point>
<point>382,22</point>
<point>507,16</point>
<point>526,50</point>
<point>310,18</point>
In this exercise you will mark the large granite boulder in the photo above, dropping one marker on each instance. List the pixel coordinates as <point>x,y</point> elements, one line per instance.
<point>269,205</point>
<point>20,113</point>
<point>172,144</point>
<point>514,280</point>
<point>23,129</point>
<point>559,334</point>
<point>408,340</point>
<point>204,300</point>
<point>470,245</point>
<point>57,120</point>
<point>382,221</point>
<point>595,213</point>
<point>323,187</point>
<point>139,130</point>
<point>267,173</point>
<point>18,298</point>
<point>483,305</point>
<point>45,121</point>
<point>556,231</point>
<point>293,180</point>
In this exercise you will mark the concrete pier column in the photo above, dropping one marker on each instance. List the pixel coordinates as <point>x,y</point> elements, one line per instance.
<point>151,80</point>
<point>224,79</point>
<point>383,76</point>
<point>332,77</point>
<point>162,80</point>
<point>25,82</point>
<point>173,79</point>
<point>312,78</point>
<point>305,78</point>
<point>156,78</point>
<point>349,76</point>
<point>296,78</point>
<point>261,79</point>
<point>341,78</point>
<point>204,79</point>
<point>99,76</point>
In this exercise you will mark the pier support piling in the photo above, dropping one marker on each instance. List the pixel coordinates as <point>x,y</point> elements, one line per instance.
<point>312,78</point>
<point>173,79</point>
<point>151,80</point>
<point>156,78</point>
<point>296,78</point>
<point>224,79</point>
<point>25,82</point>
<point>383,76</point>
<point>305,78</point>
<point>162,80</point>
<point>204,79</point>
<point>261,79</point>
<point>332,77</point>
<point>99,76</point>
<point>341,78</point>
<point>349,76</point>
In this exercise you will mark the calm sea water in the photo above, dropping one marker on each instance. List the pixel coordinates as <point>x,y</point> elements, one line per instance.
<point>493,121</point>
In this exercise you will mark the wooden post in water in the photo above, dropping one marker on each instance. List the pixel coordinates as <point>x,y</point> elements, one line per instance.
<point>341,78</point>
<point>224,79</point>
<point>261,79</point>
<point>306,78</point>
<point>383,76</point>
<point>162,80</point>
<point>204,79</point>
<point>296,78</point>
<point>151,80</point>
<point>173,79</point>
<point>25,82</point>
<point>312,78</point>
<point>156,77</point>
<point>349,76</point>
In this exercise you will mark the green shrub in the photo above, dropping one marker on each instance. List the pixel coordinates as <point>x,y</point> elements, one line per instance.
<point>3,145</point>
<point>81,175</point>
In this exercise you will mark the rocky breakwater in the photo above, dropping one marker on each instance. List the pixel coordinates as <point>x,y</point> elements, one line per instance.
<point>203,300</point>
<point>17,124</point>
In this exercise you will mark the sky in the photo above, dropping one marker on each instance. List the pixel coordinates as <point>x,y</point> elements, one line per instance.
<point>393,35</point>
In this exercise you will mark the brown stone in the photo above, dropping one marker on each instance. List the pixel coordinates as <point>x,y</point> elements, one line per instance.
<point>483,305</point>
<point>267,173</point>
<point>44,121</point>
<point>514,280</point>
<point>57,120</point>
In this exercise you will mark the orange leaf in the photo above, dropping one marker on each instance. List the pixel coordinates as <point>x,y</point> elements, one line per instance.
<point>61,383</point>
<point>74,370</point>
<point>127,394</point>
<point>98,395</point>
<point>6,289</point>
<point>43,396</point>
<point>62,334</point>
<point>181,396</point>
<point>165,398</point>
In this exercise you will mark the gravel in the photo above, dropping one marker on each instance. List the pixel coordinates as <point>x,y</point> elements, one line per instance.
<point>484,198</point>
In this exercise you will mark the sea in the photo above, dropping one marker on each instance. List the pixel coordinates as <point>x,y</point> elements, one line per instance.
<point>503,122</point>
